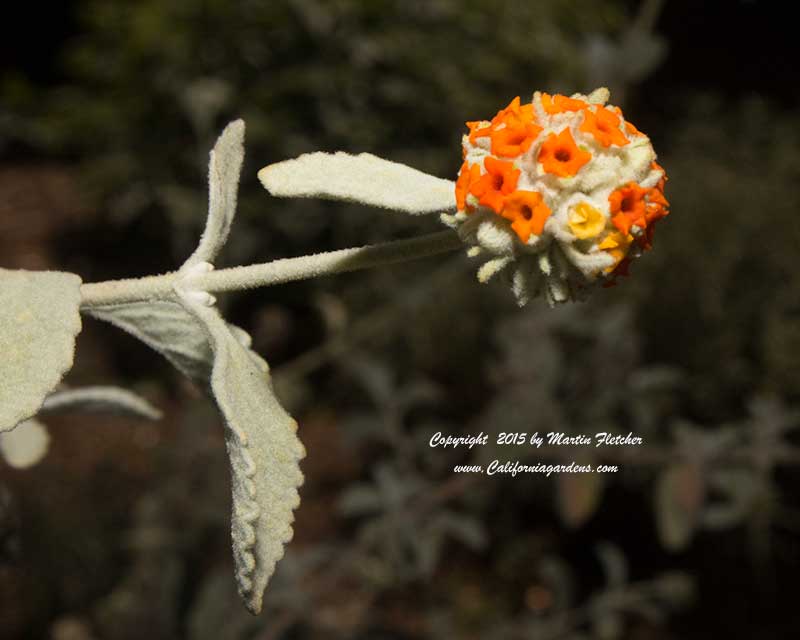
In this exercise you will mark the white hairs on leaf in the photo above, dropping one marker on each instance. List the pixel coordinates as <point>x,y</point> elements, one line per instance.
<point>363,178</point>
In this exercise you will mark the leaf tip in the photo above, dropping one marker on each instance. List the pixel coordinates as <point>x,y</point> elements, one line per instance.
<point>230,144</point>
<point>235,129</point>
<point>253,601</point>
<point>266,175</point>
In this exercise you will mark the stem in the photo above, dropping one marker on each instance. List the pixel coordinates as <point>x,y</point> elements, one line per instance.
<point>270,273</point>
<point>322,264</point>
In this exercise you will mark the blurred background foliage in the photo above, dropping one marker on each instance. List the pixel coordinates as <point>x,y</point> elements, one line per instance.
<point>108,111</point>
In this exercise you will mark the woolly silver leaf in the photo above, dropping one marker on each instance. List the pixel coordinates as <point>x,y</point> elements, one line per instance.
<point>164,325</point>
<point>100,400</point>
<point>264,452</point>
<point>224,169</point>
<point>39,319</point>
<point>261,437</point>
<point>363,178</point>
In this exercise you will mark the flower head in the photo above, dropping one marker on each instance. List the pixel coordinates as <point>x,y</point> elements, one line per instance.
<point>558,194</point>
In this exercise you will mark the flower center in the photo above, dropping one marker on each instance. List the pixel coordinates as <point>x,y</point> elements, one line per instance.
<point>497,181</point>
<point>626,204</point>
<point>526,212</point>
<point>563,154</point>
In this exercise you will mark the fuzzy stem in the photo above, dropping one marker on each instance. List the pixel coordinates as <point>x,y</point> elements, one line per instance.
<point>270,273</point>
<point>322,264</point>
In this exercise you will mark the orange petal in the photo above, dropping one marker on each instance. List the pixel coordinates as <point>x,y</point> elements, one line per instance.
<point>499,180</point>
<point>515,115</point>
<point>603,125</point>
<point>477,129</point>
<point>627,207</point>
<point>560,104</point>
<point>467,175</point>
<point>527,212</point>
<point>561,156</point>
<point>514,141</point>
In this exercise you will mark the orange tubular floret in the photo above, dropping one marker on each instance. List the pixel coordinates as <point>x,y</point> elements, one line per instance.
<point>478,130</point>
<point>656,208</point>
<point>561,156</point>
<point>560,104</point>
<point>514,115</point>
<point>657,205</point>
<point>467,175</point>
<point>527,212</point>
<point>499,180</point>
<point>514,141</point>
<point>512,108</point>
<point>603,125</point>
<point>628,207</point>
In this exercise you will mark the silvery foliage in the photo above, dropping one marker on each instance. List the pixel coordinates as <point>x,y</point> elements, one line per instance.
<point>100,400</point>
<point>27,443</point>
<point>364,178</point>
<point>39,319</point>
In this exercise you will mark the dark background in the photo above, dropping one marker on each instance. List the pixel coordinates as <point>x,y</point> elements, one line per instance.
<point>107,113</point>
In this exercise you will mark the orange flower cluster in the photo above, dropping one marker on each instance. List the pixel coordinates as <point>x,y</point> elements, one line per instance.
<point>511,134</point>
<point>518,165</point>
